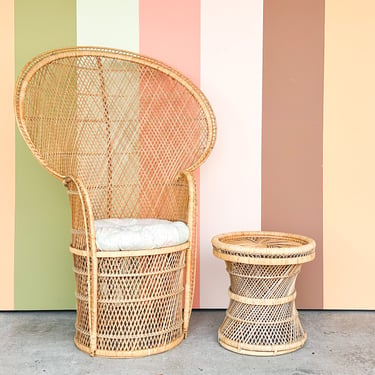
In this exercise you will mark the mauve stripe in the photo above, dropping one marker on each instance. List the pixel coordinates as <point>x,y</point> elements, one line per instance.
<point>292,141</point>
<point>169,30</point>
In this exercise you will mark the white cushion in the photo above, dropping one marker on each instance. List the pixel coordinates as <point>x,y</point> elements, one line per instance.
<point>138,234</point>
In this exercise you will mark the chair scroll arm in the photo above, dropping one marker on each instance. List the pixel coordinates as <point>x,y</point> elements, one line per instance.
<point>76,187</point>
<point>191,255</point>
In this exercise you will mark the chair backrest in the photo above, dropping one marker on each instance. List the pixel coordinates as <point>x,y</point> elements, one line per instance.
<point>126,125</point>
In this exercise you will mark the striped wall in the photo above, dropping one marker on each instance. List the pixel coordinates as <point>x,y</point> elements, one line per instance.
<point>291,84</point>
<point>292,143</point>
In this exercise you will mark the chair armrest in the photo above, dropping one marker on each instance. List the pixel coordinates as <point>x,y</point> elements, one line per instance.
<point>83,238</point>
<point>174,202</point>
<point>83,230</point>
<point>191,196</point>
<point>191,255</point>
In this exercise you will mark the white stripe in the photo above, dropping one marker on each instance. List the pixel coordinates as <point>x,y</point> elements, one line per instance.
<point>231,77</point>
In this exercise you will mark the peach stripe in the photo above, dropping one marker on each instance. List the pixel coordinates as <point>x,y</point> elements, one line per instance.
<point>349,154</point>
<point>169,30</point>
<point>7,156</point>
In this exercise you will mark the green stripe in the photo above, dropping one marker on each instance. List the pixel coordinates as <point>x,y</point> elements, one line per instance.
<point>43,265</point>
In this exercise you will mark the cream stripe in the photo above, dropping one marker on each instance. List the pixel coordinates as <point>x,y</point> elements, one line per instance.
<point>349,154</point>
<point>231,77</point>
<point>7,156</point>
<point>110,23</point>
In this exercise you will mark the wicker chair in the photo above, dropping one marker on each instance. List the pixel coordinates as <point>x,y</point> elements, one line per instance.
<point>124,134</point>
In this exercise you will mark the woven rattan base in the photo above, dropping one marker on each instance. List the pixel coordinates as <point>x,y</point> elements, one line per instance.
<point>263,266</point>
<point>138,306</point>
<point>130,354</point>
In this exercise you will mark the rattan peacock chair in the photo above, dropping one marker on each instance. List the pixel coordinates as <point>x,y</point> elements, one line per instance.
<point>124,134</point>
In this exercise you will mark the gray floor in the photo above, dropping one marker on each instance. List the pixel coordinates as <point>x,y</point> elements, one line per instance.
<point>42,343</point>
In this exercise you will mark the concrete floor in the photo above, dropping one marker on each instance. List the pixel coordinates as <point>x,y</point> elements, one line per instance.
<point>42,343</point>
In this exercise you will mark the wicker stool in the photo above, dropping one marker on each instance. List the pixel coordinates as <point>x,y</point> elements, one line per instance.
<point>263,266</point>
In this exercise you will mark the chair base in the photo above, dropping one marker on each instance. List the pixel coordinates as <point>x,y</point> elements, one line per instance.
<point>129,354</point>
<point>137,309</point>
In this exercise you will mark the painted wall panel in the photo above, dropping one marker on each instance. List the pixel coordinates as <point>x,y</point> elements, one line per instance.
<point>349,154</point>
<point>231,77</point>
<point>7,156</point>
<point>292,138</point>
<point>170,31</point>
<point>43,266</point>
<point>112,23</point>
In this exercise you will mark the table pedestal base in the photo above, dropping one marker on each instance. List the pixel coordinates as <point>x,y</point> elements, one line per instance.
<point>262,318</point>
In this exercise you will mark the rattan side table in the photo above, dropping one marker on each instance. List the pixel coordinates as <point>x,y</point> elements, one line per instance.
<point>263,266</point>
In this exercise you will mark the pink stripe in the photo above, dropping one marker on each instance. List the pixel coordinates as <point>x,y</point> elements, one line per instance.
<point>231,77</point>
<point>169,30</point>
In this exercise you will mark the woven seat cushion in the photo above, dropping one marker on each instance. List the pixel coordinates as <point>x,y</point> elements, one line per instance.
<point>138,234</point>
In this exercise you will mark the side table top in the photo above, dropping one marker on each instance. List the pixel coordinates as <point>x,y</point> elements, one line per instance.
<point>264,247</point>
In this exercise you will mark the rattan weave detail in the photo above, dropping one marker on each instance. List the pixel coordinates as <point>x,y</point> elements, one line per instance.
<point>124,133</point>
<point>264,247</point>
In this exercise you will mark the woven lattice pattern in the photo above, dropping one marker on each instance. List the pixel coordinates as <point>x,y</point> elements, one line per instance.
<point>252,326</point>
<point>254,323</point>
<point>125,129</point>
<point>124,133</point>
<point>262,318</point>
<point>255,281</point>
<point>138,298</point>
<point>82,297</point>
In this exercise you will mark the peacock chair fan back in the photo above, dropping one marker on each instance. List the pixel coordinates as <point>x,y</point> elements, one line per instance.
<point>123,133</point>
<point>125,125</point>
